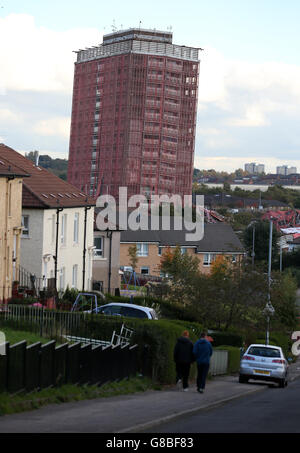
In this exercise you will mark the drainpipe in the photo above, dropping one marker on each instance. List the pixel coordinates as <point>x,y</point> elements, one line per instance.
<point>58,210</point>
<point>109,235</point>
<point>86,209</point>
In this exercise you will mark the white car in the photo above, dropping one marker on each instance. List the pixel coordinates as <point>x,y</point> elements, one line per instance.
<point>262,362</point>
<point>128,310</point>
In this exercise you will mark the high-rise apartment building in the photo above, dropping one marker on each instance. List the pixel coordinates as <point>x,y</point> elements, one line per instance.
<point>285,170</point>
<point>134,115</point>
<point>254,168</point>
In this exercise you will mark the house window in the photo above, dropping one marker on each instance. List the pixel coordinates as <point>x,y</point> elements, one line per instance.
<point>98,243</point>
<point>25,225</point>
<point>63,234</point>
<point>74,276</point>
<point>62,277</point>
<point>142,249</point>
<point>234,258</point>
<point>183,250</point>
<point>76,228</point>
<point>208,259</point>
<point>145,270</point>
<point>159,251</point>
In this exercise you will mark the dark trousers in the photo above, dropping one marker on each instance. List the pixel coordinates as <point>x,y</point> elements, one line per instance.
<point>202,374</point>
<point>183,372</point>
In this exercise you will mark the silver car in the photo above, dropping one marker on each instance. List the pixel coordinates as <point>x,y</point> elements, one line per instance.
<point>266,363</point>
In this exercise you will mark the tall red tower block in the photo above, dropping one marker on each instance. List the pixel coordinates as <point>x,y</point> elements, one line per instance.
<point>134,115</point>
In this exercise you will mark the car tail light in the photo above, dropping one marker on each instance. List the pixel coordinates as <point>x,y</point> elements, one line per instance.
<point>248,357</point>
<point>279,361</point>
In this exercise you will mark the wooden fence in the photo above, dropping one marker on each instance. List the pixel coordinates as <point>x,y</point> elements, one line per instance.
<point>38,366</point>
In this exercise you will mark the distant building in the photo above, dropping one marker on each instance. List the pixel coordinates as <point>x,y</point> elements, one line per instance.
<point>134,115</point>
<point>254,168</point>
<point>285,170</point>
<point>219,241</point>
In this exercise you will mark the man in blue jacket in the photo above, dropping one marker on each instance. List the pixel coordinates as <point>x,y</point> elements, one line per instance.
<point>202,352</point>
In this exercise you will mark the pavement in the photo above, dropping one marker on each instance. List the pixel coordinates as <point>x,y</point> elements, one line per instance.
<point>132,413</point>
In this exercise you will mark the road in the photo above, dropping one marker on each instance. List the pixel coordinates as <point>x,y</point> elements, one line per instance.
<point>271,411</point>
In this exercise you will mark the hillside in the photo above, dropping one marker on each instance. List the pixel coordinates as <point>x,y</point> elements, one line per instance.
<point>57,166</point>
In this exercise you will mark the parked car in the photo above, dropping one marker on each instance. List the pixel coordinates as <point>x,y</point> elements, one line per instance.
<point>130,310</point>
<point>262,362</point>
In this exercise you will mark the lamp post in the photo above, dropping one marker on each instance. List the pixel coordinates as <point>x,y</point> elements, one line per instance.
<point>269,309</point>
<point>253,246</point>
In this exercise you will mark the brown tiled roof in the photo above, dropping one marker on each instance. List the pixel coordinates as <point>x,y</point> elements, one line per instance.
<point>9,170</point>
<point>43,189</point>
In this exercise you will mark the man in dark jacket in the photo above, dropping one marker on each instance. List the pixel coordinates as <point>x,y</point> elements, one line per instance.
<point>202,352</point>
<point>183,356</point>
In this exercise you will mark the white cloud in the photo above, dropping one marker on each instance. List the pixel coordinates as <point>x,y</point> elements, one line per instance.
<point>8,115</point>
<point>37,58</point>
<point>254,117</point>
<point>53,127</point>
<point>249,92</point>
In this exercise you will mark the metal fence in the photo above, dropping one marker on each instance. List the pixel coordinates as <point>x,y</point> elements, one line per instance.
<point>38,366</point>
<point>41,321</point>
<point>219,363</point>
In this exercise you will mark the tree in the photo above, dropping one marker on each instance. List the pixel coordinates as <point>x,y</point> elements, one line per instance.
<point>261,243</point>
<point>133,258</point>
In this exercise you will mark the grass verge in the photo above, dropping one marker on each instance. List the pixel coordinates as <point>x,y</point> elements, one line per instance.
<point>15,336</point>
<point>10,404</point>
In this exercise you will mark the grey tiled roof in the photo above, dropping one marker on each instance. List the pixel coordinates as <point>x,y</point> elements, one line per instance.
<point>218,237</point>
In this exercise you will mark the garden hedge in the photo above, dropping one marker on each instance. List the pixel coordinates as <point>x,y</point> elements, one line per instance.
<point>156,338</point>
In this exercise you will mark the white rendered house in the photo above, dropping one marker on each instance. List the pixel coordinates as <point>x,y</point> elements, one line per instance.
<point>57,239</point>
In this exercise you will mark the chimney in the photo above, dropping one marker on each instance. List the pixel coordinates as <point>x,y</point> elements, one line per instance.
<point>36,156</point>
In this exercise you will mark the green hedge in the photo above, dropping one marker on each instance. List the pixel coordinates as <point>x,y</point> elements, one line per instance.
<point>234,357</point>
<point>165,308</point>
<point>159,337</point>
<point>228,338</point>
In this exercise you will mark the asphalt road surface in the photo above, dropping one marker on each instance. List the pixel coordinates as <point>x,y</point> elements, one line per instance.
<point>274,410</point>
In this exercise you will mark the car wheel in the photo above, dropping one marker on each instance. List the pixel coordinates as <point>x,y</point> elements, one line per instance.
<point>282,383</point>
<point>243,379</point>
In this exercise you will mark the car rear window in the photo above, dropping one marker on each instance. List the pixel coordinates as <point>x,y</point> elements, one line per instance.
<point>264,352</point>
<point>111,310</point>
<point>133,312</point>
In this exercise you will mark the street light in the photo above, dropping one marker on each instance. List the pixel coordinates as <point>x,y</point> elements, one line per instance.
<point>269,309</point>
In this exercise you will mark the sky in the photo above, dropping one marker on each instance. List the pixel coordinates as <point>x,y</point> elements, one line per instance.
<point>249,86</point>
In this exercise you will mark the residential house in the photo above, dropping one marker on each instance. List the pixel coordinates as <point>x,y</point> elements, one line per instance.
<point>106,259</point>
<point>57,239</point>
<point>219,240</point>
<point>10,225</point>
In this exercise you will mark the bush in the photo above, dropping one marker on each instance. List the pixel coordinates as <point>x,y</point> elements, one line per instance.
<point>156,338</point>
<point>164,308</point>
<point>29,300</point>
<point>70,295</point>
<point>228,338</point>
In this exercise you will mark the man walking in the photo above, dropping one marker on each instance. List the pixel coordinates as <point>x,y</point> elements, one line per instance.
<point>183,357</point>
<point>202,352</point>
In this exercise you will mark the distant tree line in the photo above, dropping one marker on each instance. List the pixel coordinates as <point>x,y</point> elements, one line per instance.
<point>57,166</point>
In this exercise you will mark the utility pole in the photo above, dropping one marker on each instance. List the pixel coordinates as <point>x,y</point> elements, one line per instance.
<point>269,309</point>
<point>253,246</point>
